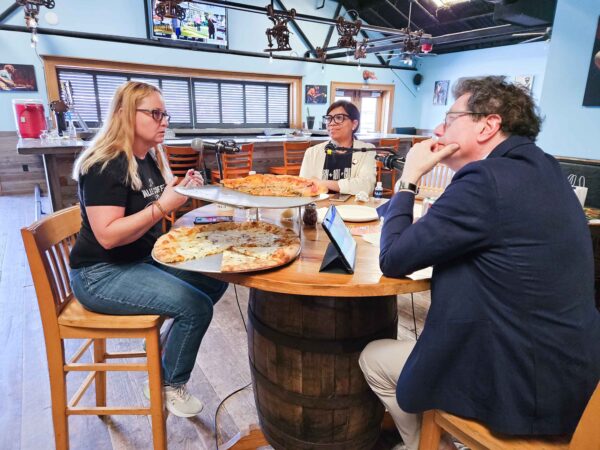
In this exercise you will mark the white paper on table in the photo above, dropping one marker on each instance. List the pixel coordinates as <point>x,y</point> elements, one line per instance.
<point>423,274</point>
<point>372,238</point>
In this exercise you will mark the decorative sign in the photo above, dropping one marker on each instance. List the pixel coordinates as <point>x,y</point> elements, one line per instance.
<point>17,77</point>
<point>315,93</point>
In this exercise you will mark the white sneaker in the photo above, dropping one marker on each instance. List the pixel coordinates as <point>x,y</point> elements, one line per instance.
<point>178,400</point>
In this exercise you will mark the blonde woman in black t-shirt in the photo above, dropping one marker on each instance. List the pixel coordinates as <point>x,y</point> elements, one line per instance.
<point>125,188</point>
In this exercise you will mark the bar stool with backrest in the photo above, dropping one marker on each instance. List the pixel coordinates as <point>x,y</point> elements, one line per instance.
<point>293,154</point>
<point>434,182</point>
<point>180,160</point>
<point>235,165</point>
<point>395,144</point>
<point>477,436</point>
<point>48,243</point>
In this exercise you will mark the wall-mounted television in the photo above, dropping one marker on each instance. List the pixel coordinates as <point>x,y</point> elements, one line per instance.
<point>203,25</point>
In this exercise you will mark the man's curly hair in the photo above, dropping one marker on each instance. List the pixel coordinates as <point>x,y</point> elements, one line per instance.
<point>493,95</point>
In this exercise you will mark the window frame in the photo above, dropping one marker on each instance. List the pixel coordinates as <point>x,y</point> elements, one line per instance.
<point>52,64</point>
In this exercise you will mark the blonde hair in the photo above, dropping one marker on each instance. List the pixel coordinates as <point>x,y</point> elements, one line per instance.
<point>117,135</point>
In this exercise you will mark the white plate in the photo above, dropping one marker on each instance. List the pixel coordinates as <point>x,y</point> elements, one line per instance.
<point>357,213</point>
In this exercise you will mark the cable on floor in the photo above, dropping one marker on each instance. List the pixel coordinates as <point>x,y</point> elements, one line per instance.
<point>216,421</point>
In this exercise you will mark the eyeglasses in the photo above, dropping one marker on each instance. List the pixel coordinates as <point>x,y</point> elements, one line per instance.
<point>338,118</point>
<point>458,114</point>
<point>156,114</point>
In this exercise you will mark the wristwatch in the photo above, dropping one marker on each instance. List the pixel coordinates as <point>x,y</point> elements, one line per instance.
<point>406,186</point>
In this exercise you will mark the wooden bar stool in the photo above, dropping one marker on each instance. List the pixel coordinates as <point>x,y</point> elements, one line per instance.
<point>395,143</point>
<point>48,243</point>
<point>293,154</point>
<point>180,160</point>
<point>235,165</point>
<point>477,436</point>
<point>434,183</point>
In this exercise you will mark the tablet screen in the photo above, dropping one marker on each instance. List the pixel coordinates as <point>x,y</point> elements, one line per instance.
<point>340,236</point>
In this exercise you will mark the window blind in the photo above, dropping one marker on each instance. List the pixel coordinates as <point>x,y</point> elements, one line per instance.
<point>191,102</point>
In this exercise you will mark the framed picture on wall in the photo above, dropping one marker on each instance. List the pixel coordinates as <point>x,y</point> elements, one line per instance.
<point>592,88</point>
<point>17,77</point>
<point>525,80</point>
<point>440,92</point>
<point>315,94</point>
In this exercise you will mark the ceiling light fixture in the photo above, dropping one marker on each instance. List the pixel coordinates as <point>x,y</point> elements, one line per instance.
<point>280,31</point>
<point>31,9</point>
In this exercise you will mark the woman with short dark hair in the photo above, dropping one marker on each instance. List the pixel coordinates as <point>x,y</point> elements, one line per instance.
<point>341,171</point>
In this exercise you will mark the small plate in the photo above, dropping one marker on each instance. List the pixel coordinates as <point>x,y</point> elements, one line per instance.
<point>357,213</point>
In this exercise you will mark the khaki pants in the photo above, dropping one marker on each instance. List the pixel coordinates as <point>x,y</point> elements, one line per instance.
<point>381,362</point>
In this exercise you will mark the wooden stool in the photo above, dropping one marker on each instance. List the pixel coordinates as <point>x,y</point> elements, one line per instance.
<point>48,243</point>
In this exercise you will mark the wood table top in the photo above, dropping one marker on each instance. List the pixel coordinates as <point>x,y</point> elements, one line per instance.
<point>302,276</point>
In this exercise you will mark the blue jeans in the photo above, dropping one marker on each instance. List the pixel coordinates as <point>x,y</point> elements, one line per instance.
<point>146,287</point>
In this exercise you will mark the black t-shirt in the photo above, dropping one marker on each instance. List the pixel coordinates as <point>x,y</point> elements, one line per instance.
<point>108,188</point>
<point>337,165</point>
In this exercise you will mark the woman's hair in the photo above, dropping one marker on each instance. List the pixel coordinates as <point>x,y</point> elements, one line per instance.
<point>350,109</point>
<point>493,95</point>
<point>117,135</point>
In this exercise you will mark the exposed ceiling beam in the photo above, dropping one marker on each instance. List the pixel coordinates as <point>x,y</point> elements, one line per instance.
<point>168,43</point>
<point>426,11</point>
<point>9,12</point>
<point>388,2</point>
<point>500,30</point>
<point>337,12</point>
<point>458,21</point>
<point>296,27</point>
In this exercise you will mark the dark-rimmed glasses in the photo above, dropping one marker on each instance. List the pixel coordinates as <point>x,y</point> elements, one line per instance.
<point>156,114</point>
<point>337,118</point>
<point>458,114</point>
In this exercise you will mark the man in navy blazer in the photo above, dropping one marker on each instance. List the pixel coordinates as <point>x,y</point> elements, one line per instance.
<point>512,337</point>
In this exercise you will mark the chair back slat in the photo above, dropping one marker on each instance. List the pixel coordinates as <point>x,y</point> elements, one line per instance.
<point>236,165</point>
<point>433,183</point>
<point>390,142</point>
<point>182,159</point>
<point>48,243</point>
<point>293,154</point>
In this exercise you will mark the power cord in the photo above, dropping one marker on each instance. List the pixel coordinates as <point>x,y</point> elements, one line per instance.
<point>216,421</point>
<point>412,302</point>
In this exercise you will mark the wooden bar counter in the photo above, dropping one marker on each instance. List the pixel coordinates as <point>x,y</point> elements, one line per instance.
<point>58,157</point>
<point>306,331</point>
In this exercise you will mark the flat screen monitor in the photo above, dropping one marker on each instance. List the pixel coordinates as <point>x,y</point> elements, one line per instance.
<point>203,25</point>
<point>342,240</point>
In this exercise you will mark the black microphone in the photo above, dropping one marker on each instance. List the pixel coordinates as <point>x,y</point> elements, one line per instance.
<point>330,147</point>
<point>391,161</point>
<point>224,146</point>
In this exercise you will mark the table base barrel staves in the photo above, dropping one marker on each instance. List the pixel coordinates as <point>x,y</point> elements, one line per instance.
<point>309,390</point>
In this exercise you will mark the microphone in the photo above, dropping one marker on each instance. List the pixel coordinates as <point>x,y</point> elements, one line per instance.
<point>224,146</point>
<point>391,161</point>
<point>330,147</point>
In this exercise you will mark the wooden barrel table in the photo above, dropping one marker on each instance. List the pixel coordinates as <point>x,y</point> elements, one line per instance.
<point>306,331</point>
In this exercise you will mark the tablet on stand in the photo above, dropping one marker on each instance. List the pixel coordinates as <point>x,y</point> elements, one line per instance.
<point>340,255</point>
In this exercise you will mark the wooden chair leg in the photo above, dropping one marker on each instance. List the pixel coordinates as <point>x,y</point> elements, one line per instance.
<point>58,393</point>
<point>431,432</point>
<point>159,435</point>
<point>100,377</point>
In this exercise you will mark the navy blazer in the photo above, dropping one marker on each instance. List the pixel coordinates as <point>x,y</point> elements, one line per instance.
<point>512,337</point>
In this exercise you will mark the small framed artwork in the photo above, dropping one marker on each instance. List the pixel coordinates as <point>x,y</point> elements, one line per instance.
<point>17,77</point>
<point>525,80</point>
<point>440,92</point>
<point>315,94</point>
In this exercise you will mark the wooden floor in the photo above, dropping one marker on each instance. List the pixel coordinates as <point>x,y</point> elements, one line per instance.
<point>221,367</point>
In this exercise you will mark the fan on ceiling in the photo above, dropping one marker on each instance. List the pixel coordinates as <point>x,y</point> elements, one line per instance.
<point>415,44</point>
<point>534,36</point>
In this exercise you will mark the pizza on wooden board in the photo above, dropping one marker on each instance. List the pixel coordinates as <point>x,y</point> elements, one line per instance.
<point>245,246</point>
<point>275,185</point>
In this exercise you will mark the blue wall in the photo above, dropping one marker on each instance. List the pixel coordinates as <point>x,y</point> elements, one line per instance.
<point>511,61</point>
<point>246,32</point>
<point>560,67</point>
<point>571,129</point>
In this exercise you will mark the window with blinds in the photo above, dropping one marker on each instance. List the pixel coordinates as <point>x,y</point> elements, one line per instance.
<point>191,102</point>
